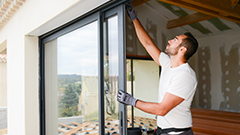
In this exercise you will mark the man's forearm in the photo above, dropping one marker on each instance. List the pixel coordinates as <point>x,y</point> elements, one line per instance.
<point>146,41</point>
<point>142,34</point>
<point>150,107</point>
<point>168,103</point>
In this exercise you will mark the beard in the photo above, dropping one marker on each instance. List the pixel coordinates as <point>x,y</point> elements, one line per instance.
<point>171,51</point>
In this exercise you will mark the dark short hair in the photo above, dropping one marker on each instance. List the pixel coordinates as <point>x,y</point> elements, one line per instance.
<point>190,43</point>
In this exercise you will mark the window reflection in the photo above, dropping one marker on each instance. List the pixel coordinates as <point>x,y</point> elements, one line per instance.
<point>111,75</point>
<point>71,82</point>
<point>145,87</point>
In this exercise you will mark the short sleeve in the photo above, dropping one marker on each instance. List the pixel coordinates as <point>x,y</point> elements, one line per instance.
<point>164,59</point>
<point>183,85</point>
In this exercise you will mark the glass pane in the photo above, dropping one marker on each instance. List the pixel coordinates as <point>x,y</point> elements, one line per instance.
<point>130,85</point>
<point>3,92</point>
<point>145,87</point>
<point>71,82</point>
<point>111,75</point>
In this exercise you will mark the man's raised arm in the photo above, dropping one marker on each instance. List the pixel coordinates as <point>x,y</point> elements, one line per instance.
<point>143,36</point>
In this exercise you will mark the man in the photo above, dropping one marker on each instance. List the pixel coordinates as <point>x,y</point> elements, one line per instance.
<point>177,83</point>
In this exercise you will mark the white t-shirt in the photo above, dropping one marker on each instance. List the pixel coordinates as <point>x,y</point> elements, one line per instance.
<point>180,81</point>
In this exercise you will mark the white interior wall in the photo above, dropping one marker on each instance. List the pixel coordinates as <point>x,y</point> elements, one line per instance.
<point>146,80</point>
<point>217,65</point>
<point>153,23</point>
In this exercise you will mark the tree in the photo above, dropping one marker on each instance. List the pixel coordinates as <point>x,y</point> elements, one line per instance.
<point>69,102</point>
<point>110,92</point>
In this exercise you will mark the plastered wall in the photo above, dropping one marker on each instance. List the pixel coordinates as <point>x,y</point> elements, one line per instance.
<point>146,84</point>
<point>218,72</point>
<point>153,24</point>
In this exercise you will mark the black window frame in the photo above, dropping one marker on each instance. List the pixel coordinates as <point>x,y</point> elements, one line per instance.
<point>104,11</point>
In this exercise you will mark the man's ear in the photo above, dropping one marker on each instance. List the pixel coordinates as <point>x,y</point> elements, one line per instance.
<point>183,49</point>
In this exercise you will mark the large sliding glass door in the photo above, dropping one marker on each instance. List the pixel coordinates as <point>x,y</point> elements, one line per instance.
<point>82,66</point>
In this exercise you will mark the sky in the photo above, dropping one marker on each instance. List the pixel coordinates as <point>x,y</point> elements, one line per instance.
<point>78,50</point>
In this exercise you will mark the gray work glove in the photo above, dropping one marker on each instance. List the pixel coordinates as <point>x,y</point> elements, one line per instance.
<point>130,11</point>
<point>125,98</point>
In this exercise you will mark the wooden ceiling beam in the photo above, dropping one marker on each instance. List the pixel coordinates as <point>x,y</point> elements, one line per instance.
<point>193,18</point>
<point>203,9</point>
<point>234,3</point>
<point>138,2</point>
<point>222,6</point>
